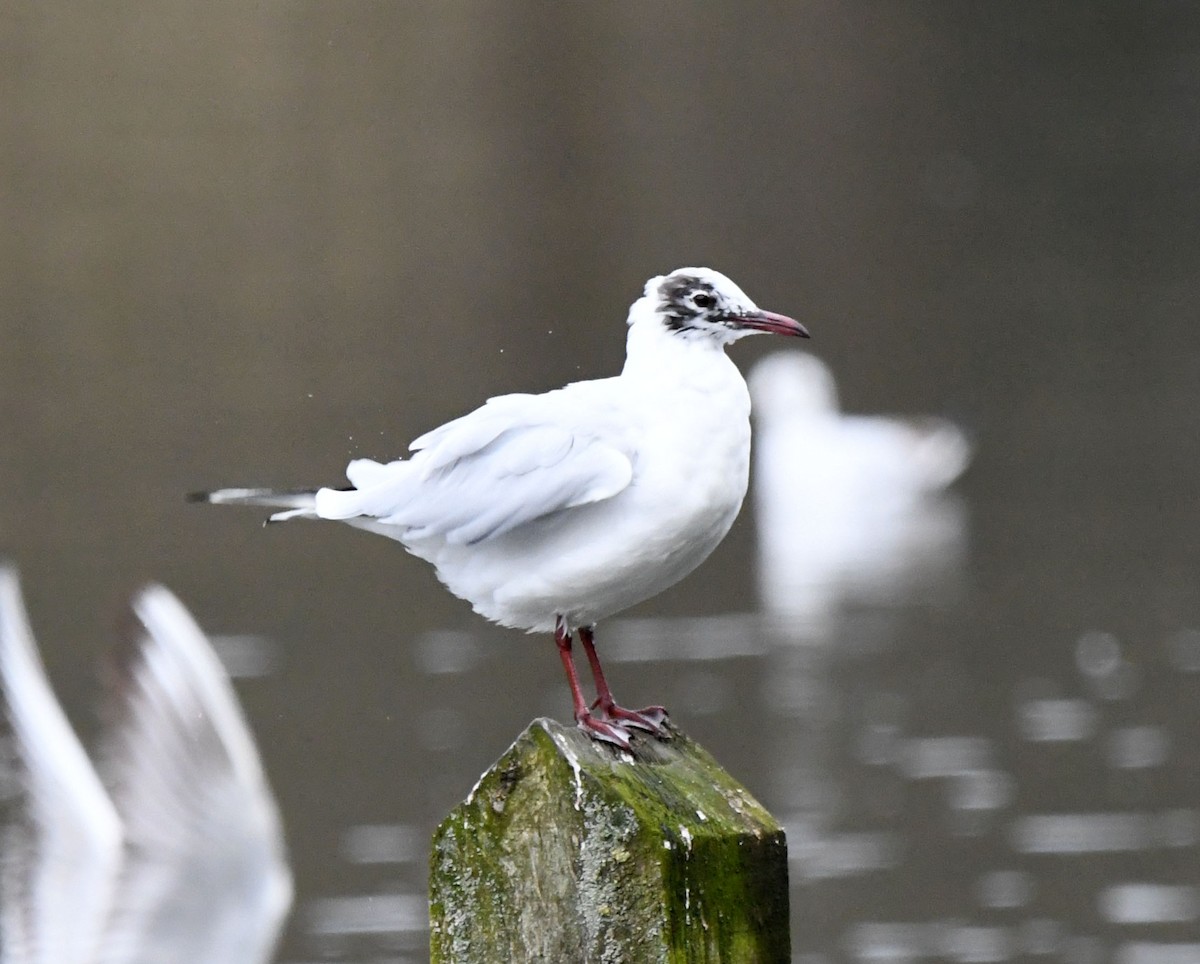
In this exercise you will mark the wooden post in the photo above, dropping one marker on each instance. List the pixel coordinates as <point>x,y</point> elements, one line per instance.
<point>571,851</point>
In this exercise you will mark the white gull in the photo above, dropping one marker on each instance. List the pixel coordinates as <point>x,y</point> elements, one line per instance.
<point>550,512</point>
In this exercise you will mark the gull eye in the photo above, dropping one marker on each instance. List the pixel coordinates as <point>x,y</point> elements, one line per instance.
<point>703,300</point>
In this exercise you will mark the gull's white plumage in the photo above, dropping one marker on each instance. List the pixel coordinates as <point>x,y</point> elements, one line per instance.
<point>574,509</point>
<point>579,502</point>
<point>553,511</point>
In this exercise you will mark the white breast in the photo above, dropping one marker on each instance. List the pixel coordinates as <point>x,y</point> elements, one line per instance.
<point>686,423</point>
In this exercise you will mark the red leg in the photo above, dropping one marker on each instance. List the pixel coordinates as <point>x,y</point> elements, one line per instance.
<point>649,718</point>
<point>609,729</point>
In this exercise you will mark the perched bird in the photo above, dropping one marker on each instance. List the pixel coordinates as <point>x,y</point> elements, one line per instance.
<point>170,847</point>
<point>550,512</point>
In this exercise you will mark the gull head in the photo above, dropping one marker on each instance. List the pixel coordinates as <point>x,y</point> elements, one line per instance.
<point>702,304</point>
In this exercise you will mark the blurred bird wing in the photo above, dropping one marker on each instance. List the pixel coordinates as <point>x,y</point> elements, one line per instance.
<point>61,855</point>
<point>205,877</point>
<point>516,459</point>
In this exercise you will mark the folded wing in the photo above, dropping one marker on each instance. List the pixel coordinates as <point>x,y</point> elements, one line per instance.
<point>508,463</point>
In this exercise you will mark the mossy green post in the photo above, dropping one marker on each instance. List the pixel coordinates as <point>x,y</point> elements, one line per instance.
<point>572,852</point>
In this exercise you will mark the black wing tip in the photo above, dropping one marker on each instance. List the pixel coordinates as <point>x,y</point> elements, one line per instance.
<point>197,497</point>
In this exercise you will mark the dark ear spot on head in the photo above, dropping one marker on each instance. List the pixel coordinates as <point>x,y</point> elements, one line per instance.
<point>685,299</point>
<point>674,289</point>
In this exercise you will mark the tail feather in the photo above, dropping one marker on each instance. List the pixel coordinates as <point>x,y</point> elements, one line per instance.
<point>297,503</point>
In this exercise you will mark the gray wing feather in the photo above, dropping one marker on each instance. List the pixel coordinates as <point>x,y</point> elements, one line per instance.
<point>469,433</point>
<point>485,474</point>
<point>521,475</point>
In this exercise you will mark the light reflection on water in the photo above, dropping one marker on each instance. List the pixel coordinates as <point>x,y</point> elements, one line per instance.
<point>1056,824</point>
<point>916,831</point>
<point>933,811</point>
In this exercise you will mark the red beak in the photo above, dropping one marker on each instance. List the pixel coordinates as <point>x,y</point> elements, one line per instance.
<point>773,323</point>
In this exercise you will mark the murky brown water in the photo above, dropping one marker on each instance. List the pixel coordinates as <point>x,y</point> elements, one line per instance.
<point>243,245</point>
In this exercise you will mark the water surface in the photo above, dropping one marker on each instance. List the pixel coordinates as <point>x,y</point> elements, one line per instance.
<point>245,245</point>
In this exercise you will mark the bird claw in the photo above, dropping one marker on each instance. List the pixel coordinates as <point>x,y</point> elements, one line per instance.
<point>649,719</point>
<point>605,731</point>
<point>655,717</point>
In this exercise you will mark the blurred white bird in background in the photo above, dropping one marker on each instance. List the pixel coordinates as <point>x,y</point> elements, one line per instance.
<point>173,850</point>
<point>849,507</point>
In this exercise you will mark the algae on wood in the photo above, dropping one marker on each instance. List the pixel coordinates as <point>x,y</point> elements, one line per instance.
<point>573,851</point>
